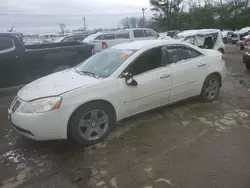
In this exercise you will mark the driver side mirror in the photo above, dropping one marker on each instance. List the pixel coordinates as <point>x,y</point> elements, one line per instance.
<point>129,79</point>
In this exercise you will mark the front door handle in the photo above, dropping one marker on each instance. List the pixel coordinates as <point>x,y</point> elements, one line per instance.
<point>201,64</point>
<point>165,76</point>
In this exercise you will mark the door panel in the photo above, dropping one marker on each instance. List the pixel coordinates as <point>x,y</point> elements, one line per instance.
<point>153,90</point>
<point>184,77</point>
<point>188,68</point>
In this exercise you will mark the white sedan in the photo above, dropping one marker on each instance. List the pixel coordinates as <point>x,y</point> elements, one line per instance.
<point>85,102</point>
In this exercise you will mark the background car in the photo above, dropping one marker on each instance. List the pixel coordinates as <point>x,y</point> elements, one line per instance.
<point>227,35</point>
<point>164,36</point>
<point>203,38</point>
<point>108,40</point>
<point>21,64</point>
<point>172,33</point>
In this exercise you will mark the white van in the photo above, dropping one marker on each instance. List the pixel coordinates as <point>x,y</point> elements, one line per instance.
<point>203,38</point>
<point>128,35</point>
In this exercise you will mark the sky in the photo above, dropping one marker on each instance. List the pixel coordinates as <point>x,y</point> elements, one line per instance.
<point>43,15</point>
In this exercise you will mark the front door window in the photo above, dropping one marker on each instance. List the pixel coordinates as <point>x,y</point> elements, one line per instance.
<point>148,61</point>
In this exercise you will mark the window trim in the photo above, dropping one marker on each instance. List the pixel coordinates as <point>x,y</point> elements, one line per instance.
<point>13,48</point>
<point>132,62</point>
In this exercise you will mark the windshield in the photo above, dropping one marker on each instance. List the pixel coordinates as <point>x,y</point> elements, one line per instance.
<point>105,63</point>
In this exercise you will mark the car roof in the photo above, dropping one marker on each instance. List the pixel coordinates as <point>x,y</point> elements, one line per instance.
<point>137,45</point>
<point>243,30</point>
<point>135,29</point>
<point>187,33</point>
<point>199,31</point>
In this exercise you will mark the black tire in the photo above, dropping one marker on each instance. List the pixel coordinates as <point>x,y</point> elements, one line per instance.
<point>242,47</point>
<point>73,129</point>
<point>248,66</point>
<point>203,95</point>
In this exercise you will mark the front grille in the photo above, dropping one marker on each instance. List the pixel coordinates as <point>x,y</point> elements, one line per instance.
<point>15,106</point>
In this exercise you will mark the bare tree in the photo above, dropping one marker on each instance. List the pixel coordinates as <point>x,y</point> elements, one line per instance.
<point>63,27</point>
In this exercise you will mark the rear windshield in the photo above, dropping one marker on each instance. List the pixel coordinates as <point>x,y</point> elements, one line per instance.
<point>105,63</point>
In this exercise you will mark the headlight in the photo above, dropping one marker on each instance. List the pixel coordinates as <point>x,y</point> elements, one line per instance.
<point>42,105</point>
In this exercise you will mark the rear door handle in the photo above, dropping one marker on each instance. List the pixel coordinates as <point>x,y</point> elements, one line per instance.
<point>201,64</point>
<point>165,76</point>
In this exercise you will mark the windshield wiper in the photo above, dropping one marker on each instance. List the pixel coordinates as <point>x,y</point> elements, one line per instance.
<point>90,73</point>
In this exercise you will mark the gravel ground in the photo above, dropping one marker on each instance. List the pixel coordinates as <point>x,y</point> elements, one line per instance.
<point>187,145</point>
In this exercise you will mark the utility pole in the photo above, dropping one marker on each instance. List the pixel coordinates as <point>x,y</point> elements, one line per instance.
<point>84,19</point>
<point>143,16</point>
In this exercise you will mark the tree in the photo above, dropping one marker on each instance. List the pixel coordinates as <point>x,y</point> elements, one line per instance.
<point>133,22</point>
<point>200,14</point>
<point>163,11</point>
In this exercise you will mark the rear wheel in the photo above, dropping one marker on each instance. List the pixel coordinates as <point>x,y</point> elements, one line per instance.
<point>242,47</point>
<point>92,123</point>
<point>211,88</point>
<point>248,66</point>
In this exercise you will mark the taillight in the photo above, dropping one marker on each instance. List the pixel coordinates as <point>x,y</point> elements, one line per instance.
<point>222,57</point>
<point>247,41</point>
<point>93,51</point>
<point>104,45</point>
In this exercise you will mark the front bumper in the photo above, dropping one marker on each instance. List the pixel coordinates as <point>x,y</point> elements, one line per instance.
<point>40,126</point>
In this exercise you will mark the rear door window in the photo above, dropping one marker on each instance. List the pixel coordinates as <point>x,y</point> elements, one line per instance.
<point>122,35</point>
<point>176,54</point>
<point>139,33</point>
<point>150,33</point>
<point>6,43</point>
<point>100,37</point>
<point>109,37</point>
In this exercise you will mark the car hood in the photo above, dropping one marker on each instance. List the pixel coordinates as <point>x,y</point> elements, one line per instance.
<point>55,84</point>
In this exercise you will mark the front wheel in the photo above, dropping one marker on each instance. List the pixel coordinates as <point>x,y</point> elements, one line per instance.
<point>211,88</point>
<point>92,123</point>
